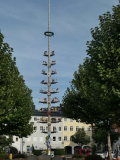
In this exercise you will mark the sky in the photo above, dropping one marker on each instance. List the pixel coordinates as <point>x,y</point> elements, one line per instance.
<point>23,23</point>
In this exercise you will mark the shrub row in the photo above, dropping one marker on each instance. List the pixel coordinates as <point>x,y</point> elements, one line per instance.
<point>3,156</point>
<point>93,157</point>
<point>89,157</point>
<point>59,152</point>
<point>78,156</point>
<point>19,156</point>
<point>37,152</point>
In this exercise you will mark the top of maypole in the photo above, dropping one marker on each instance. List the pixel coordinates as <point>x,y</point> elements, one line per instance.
<point>49,16</point>
<point>48,33</point>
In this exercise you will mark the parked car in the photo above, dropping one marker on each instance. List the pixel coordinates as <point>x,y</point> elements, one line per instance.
<point>83,151</point>
<point>113,154</point>
<point>105,154</point>
<point>102,154</point>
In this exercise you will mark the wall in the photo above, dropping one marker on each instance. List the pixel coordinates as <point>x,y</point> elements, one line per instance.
<point>73,123</point>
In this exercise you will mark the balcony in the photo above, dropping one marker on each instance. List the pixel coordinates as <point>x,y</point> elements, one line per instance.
<point>53,120</point>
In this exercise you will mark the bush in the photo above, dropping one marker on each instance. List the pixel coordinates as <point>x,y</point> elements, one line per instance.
<point>78,156</point>
<point>37,152</point>
<point>59,152</point>
<point>93,157</point>
<point>3,156</point>
<point>19,156</point>
<point>93,148</point>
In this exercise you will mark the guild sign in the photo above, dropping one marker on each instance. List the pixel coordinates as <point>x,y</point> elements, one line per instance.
<point>48,113</point>
<point>49,74</point>
<point>49,123</point>
<point>48,93</point>
<point>49,133</point>
<point>47,138</point>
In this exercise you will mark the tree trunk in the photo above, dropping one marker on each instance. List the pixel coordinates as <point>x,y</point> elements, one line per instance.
<point>109,147</point>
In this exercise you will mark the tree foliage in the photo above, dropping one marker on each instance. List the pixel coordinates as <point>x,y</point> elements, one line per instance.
<point>80,137</point>
<point>100,136</point>
<point>5,141</point>
<point>94,94</point>
<point>15,97</point>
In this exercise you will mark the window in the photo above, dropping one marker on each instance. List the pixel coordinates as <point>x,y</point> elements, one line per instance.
<point>65,138</point>
<point>59,128</point>
<point>70,138</point>
<point>16,138</point>
<point>77,120</point>
<point>41,128</point>
<point>35,118</point>
<point>28,149</point>
<point>46,128</point>
<point>35,128</point>
<point>59,138</point>
<point>83,128</point>
<point>71,120</point>
<point>65,119</point>
<point>77,128</point>
<point>54,129</point>
<point>71,128</point>
<point>88,129</point>
<point>54,138</point>
<point>65,128</point>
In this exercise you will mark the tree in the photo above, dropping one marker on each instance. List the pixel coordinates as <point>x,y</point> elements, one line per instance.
<point>94,96</point>
<point>4,141</point>
<point>80,137</point>
<point>15,97</point>
<point>100,136</point>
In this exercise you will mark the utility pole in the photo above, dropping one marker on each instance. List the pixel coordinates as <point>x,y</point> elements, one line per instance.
<point>49,81</point>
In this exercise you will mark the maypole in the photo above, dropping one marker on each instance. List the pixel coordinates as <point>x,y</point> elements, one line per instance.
<point>49,82</point>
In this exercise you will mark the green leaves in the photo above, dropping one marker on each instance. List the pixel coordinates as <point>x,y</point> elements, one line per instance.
<point>15,97</point>
<point>94,94</point>
<point>100,135</point>
<point>80,137</point>
<point>5,141</point>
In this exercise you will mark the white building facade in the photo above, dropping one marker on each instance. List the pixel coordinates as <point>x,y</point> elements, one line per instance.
<point>38,137</point>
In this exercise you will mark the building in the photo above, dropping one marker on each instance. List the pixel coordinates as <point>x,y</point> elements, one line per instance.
<point>38,137</point>
<point>71,126</point>
<point>117,144</point>
<point>62,129</point>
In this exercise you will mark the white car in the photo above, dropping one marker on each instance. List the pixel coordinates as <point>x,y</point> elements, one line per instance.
<point>113,154</point>
<point>102,154</point>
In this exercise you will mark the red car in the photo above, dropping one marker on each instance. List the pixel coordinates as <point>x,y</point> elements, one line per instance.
<point>83,151</point>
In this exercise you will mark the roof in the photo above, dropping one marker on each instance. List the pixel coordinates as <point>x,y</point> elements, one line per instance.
<point>38,113</point>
